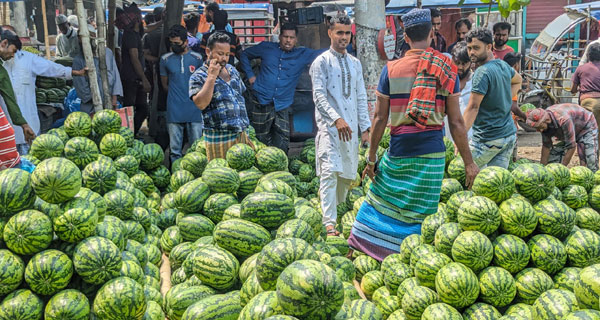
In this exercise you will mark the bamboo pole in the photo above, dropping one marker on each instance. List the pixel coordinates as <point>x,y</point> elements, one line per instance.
<point>112,10</point>
<point>84,33</point>
<point>101,43</point>
<point>45,18</point>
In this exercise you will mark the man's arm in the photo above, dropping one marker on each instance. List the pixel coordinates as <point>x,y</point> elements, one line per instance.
<point>149,57</point>
<point>570,139</point>
<point>164,80</point>
<point>8,94</point>
<point>545,155</point>
<point>575,81</point>
<point>459,135</point>
<point>517,111</point>
<point>319,83</point>
<point>515,84</point>
<point>363,108</point>
<point>137,67</point>
<point>117,86</point>
<point>43,67</point>
<point>203,96</point>
<point>249,54</point>
<point>472,109</point>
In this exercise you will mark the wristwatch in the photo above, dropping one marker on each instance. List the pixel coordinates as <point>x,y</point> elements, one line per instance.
<point>372,163</point>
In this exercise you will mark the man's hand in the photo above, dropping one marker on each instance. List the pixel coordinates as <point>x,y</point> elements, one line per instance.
<point>252,80</point>
<point>369,172</point>
<point>146,85</point>
<point>28,132</point>
<point>214,69</point>
<point>344,130</point>
<point>114,101</point>
<point>79,73</point>
<point>364,138</point>
<point>471,172</point>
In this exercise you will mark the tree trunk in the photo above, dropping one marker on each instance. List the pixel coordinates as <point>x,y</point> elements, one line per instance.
<point>84,33</point>
<point>45,20</point>
<point>370,18</point>
<point>101,43</point>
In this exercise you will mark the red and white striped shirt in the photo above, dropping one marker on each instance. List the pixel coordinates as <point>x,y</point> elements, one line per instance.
<point>9,157</point>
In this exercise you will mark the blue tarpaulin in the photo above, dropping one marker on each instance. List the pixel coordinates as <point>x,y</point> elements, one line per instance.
<point>403,6</point>
<point>594,8</point>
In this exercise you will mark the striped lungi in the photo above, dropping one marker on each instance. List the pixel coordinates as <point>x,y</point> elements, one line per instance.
<point>219,141</point>
<point>404,192</point>
<point>9,157</point>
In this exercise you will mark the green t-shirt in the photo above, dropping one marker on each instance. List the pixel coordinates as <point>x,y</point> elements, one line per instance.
<point>494,120</point>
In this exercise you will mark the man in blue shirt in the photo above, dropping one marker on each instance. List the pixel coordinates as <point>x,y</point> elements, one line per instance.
<point>489,108</point>
<point>176,68</point>
<point>281,66</point>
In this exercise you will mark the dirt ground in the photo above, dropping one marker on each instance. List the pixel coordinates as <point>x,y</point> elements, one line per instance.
<point>529,145</point>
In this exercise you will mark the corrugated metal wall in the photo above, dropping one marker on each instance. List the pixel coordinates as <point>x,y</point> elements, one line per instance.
<point>541,12</point>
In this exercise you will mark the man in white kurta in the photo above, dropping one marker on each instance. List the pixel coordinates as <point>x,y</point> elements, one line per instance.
<point>23,70</point>
<point>342,118</point>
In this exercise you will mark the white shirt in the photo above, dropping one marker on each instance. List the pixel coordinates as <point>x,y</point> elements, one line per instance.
<point>23,69</point>
<point>585,54</point>
<point>332,103</point>
<point>67,45</point>
<point>463,101</point>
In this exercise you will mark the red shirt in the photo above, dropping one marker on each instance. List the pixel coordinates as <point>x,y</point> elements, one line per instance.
<point>587,76</point>
<point>9,157</point>
<point>499,54</point>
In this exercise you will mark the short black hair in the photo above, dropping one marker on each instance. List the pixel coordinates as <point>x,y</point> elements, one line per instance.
<point>149,18</point>
<point>289,26</point>
<point>191,21</point>
<point>463,21</point>
<point>340,18</point>
<point>501,26</point>
<point>482,34</point>
<point>178,31</point>
<point>158,13</point>
<point>217,37</point>
<point>594,52</point>
<point>12,38</point>
<point>418,32</point>
<point>512,58</point>
<point>213,6</point>
<point>435,12</point>
<point>460,52</point>
<point>220,19</point>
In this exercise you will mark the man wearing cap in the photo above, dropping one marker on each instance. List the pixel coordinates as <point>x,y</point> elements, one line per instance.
<point>66,42</point>
<point>414,93</point>
<point>565,127</point>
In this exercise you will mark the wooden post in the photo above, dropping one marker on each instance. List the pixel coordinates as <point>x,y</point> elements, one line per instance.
<point>45,19</point>
<point>112,11</point>
<point>84,33</point>
<point>101,44</point>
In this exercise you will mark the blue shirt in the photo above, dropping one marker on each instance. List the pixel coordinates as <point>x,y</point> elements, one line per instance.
<point>494,120</point>
<point>279,71</point>
<point>179,69</point>
<point>227,109</point>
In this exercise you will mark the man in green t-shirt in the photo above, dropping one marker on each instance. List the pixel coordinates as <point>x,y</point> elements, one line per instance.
<point>489,108</point>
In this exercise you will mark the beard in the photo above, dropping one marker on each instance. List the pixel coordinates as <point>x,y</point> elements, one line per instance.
<point>499,43</point>
<point>465,74</point>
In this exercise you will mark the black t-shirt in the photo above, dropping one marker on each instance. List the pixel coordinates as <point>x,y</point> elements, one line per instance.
<point>152,41</point>
<point>131,40</point>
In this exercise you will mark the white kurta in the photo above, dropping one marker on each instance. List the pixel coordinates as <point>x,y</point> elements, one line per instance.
<point>463,101</point>
<point>23,70</point>
<point>331,104</point>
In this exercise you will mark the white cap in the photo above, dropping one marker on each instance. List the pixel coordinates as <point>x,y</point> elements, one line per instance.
<point>73,20</point>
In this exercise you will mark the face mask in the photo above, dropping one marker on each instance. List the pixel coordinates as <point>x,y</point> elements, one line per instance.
<point>177,48</point>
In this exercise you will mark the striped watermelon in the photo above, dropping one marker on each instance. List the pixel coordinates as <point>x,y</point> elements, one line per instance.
<point>406,285</point>
<point>263,305</point>
<point>557,194</point>
<point>350,293</point>
<point>194,226</point>
<point>179,253</point>
<point>11,271</point>
<point>160,176</point>
<point>179,178</point>
<point>76,224</point>
<point>277,255</point>
<point>221,179</point>
<point>46,146</point>
<point>240,157</point>
<point>138,250</point>
<point>457,285</point>
<point>371,281</point>
<point>128,164</point>
<point>154,311</point>
<point>152,156</point>
<point>180,297</point>
<point>554,218</point>
<point>547,253</point>
<point>420,252</point>
<point>191,196</point>
<point>439,311</point>
<point>456,170</point>
<point>120,298</point>
<point>585,314</point>
<point>28,232</point>
<point>59,133</point>
<point>583,248</point>
<point>445,236</point>
<point>48,272</point>
<point>216,267</point>
<point>495,183</point>
<point>430,226</point>
<point>554,304</point>
<point>271,159</point>
<point>112,228</point>
<point>510,253</point>
<point>587,287</point>
<point>588,218</point>
<point>473,249</point>
<point>132,269</point>
<point>594,198</point>
<point>479,214</point>
<point>575,196</point>
<point>284,176</point>
<point>106,121</point>
<point>170,238</point>
<point>496,286</point>
<point>455,201</point>
<point>119,204</point>
<point>275,186</point>
<point>269,210</point>
<point>533,181</point>
<point>582,176</point>
<point>343,268</point>
<point>309,215</point>
<point>408,245</point>
<point>566,278</point>
<point>481,311</point>
<point>248,181</point>
<point>361,309</point>
<point>450,186</point>
<point>21,304</point>
<point>517,217</point>
<point>219,306</point>
<point>56,180</point>
<point>128,135</point>
<point>417,300</point>
<point>142,182</point>
<point>532,282</point>
<point>68,304</point>
<point>519,310</point>
<point>240,237</point>
<point>216,204</point>
<point>247,267</point>
<point>99,177</point>
<point>16,192</point>
<point>82,151</point>
<point>561,174</point>
<point>113,145</point>
<point>297,228</point>
<point>428,267</point>
<point>306,173</point>
<point>250,289</point>
<point>233,211</point>
<point>388,304</point>
<point>195,163</point>
<point>364,264</point>
<point>97,260</point>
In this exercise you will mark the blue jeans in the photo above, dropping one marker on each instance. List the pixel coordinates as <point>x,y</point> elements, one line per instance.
<point>493,153</point>
<point>194,131</point>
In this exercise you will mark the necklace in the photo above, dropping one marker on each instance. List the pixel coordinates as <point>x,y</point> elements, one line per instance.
<point>346,74</point>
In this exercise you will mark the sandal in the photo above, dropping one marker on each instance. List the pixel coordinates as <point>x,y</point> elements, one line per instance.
<point>331,231</point>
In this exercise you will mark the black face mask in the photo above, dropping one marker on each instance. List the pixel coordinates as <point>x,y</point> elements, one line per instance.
<point>177,48</point>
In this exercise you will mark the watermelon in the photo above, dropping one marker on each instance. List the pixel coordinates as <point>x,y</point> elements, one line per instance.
<point>343,268</point>
<point>594,197</point>
<point>120,298</point>
<point>216,204</point>
<point>267,209</point>
<point>97,260</point>
<point>517,217</point>
<point>46,146</point>
<point>128,164</point>
<point>152,156</point>
<point>216,267</point>
<point>430,225</point>
<point>119,204</point>
<point>221,179</point>
<point>408,245</point>
<point>554,218</point>
<point>519,310</point>
<point>457,285</point>
<point>583,248</point>
<point>16,192</point>
<point>439,311</point>
<point>179,178</point>
<point>56,180</point>
<point>479,214</point>
<point>179,253</point>
<point>271,159</point>
<point>495,183</point>
<point>191,196</point>
<point>406,285</point>
<point>566,278</point>
<point>48,272</point>
<point>481,311</point>
<point>419,252</point>
<point>28,232</point>
<point>219,306</point>
<point>99,177</point>
<point>250,289</point>
<point>113,145</point>
<point>240,237</point>
<point>170,238</point>
<point>284,176</point>
<point>21,304</point>
<point>154,311</point>
<point>588,218</point>
<point>417,300</point>
<point>427,268</point>
<point>262,305</point>
<point>240,157</point>
<point>297,228</point>
<point>510,253</point>
<point>547,253</point>
<point>160,176</point>
<point>194,226</point>
<point>128,135</point>
<point>11,271</point>
<point>496,286</point>
<point>106,121</point>
<point>455,201</point>
<point>575,196</point>
<point>587,287</point>
<point>561,174</point>
<point>309,215</point>
<point>138,250</point>
<point>59,133</point>
<point>445,236</point>
<point>361,309</point>
<point>554,304</point>
<point>67,304</point>
<point>456,170</point>
<point>582,176</point>
<point>532,282</point>
<point>450,186</point>
<point>388,304</point>
<point>533,181</point>
<point>371,281</point>
<point>233,211</point>
<point>180,297</point>
<point>306,173</point>
<point>195,163</point>
<point>473,249</point>
<point>275,186</point>
<point>82,151</point>
<point>277,255</point>
<point>585,314</point>
<point>142,182</point>
<point>350,293</point>
<point>248,181</point>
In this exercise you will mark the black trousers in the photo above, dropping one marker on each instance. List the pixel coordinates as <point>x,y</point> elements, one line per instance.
<point>134,95</point>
